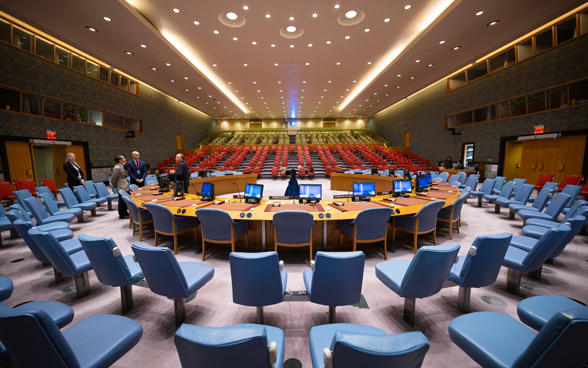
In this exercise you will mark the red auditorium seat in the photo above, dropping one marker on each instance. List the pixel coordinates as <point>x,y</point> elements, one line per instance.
<point>49,183</point>
<point>567,180</point>
<point>543,178</point>
<point>6,191</point>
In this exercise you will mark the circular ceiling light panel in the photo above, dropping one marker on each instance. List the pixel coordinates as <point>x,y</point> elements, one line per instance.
<point>291,32</point>
<point>351,17</point>
<point>231,19</point>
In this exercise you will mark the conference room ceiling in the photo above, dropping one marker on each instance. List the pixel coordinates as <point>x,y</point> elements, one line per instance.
<point>252,66</point>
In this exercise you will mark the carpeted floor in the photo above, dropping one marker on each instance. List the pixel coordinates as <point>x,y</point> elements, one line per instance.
<point>213,305</point>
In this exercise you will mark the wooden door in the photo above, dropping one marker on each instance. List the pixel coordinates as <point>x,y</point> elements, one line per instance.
<point>20,160</point>
<point>80,158</point>
<point>179,142</point>
<point>406,140</point>
<point>512,160</point>
<point>328,125</point>
<point>571,157</point>
<point>58,155</point>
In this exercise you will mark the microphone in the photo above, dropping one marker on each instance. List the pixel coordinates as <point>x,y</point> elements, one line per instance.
<point>238,191</point>
<point>349,191</point>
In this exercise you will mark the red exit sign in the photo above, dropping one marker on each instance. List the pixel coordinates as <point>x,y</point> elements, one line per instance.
<point>539,129</point>
<point>50,134</point>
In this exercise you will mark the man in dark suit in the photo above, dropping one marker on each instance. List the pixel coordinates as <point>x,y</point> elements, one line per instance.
<point>182,173</point>
<point>136,169</point>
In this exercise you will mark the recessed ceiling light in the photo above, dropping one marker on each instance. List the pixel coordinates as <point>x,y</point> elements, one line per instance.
<point>430,65</point>
<point>216,32</point>
<point>291,46</point>
<point>176,10</point>
<point>278,83</point>
<point>337,6</point>
<point>303,81</point>
<point>354,81</point>
<point>196,22</point>
<point>367,29</point>
<point>417,61</point>
<point>369,62</point>
<point>407,7</point>
<point>413,77</point>
<point>328,42</point>
<point>273,45</point>
<point>291,18</point>
<point>385,85</point>
<point>168,64</point>
<point>314,15</point>
<point>129,53</point>
<point>347,37</point>
<point>456,48</point>
<point>231,16</point>
<point>351,14</point>
<point>492,23</point>
<point>244,64</point>
<point>307,63</point>
<point>310,45</point>
<point>387,20</point>
<point>291,29</point>
<point>235,38</point>
<point>153,68</point>
<point>92,29</point>
<point>187,90</point>
<point>245,7</point>
<point>199,87</point>
<point>267,16</point>
<point>254,82</point>
<point>229,82</point>
<point>338,63</point>
<point>107,19</point>
<point>480,13</point>
<point>254,43</point>
<point>441,42</point>
<point>276,64</point>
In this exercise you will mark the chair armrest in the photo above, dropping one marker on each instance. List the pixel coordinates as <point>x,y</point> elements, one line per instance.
<point>328,358</point>
<point>313,265</point>
<point>273,352</point>
<point>281,266</point>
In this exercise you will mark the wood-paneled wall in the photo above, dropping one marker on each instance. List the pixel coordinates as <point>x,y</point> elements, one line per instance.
<point>512,159</point>
<point>20,160</point>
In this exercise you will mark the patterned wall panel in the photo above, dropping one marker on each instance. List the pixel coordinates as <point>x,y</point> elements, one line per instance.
<point>423,114</point>
<point>162,116</point>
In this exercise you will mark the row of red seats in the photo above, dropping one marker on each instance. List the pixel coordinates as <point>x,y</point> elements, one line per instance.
<point>7,190</point>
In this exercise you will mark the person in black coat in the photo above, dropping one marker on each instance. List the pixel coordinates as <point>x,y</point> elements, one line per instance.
<point>182,173</point>
<point>75,175</point>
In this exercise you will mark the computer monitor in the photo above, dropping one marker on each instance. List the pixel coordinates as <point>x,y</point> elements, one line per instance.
<point>391,172</point>
<point>364,190</point>
<point>407,175</point>
<point>421,183</point>
<point>207,192</point>
<point>310,192</point>
<point>402,187</point>
<point>202,173</point>
<point>253,193</point>
<point>429,179</point>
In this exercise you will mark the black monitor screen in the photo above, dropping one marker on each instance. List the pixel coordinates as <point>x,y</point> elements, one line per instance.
<point>364,189</point>
<point>423,183</point>
<point>310,191</point>
<point>206,189</point>
<point>429,179</point>
<point>253,191</point>
<point>402,186</point>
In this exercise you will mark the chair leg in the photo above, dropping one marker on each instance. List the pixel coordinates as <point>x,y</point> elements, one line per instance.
<point>93,212</point>
<point>246,241</point>
<point>415,242</point>
<point>385,249</point>
<point>82,284</point>
<point>58,276</point>
<point>175,244</point>
<point>511,214</point>
<point>409,310</point>
<point>450,230</point>
<point>340,241</point>
<point>496,208</point>
<point>354,244</point>
<point>513,281</point>
<point>463,299</point>
<point>126,298</point>
<point>393,233</point>
<point>458,224</point>
<point>135,230</point>
<point>180,310</point>
<point>155,235</point>
<point>140,232</point>
<point>332,314</point>
<point>260,316</point>
<point>109,205</point>
<point>435,236</point>
<point>536,275</point>
<point>480,201</point>
<point>203,249</point>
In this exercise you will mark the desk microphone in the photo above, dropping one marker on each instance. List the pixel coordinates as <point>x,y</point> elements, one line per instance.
<point>238,191</point>
<point>349,191</point>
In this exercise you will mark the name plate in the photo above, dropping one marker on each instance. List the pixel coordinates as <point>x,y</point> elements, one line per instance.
<point>384,193</point>
<point>280,197</point>
<point>341,196</point>
<point>240,196</point>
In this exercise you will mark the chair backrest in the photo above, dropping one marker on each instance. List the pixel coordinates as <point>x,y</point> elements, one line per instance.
<point>443,176</point>
<point>507,189</point>
<point>372,223</point>
<point>571,190</point>
<point>256,278</point>
<point>556,344</point>
<point>23,215</point>
<point>132,206</point>
<point>6,189</point>
<point>124,193</point>
<point>572,211</point>
<point>244,346</point>
<point>37,209</point>
<point>82,194</point>
<point>101,190</point>
<point>472,181</point>
<point>544,247</point>
<point>576,223</point>
<point>551,185</point>
<point>6,289</point>
<point>49,202</point>
<point>499,183</point>
<point>216,224</point>
<point>162,271</point>
<point>518,185</point>
<point>21,195</point>
<point>28,185</point>
<point>68,197</point>
<point>53,249</point>
<point>34,340</point>
<point>133,187</point>
<point>543,178</point>
<point>49,183</point>
<point>557,205</point>
<point>568,180</point>
<point>110,270</point>
<point>89,185</point>
<point>487,186</point>
<point>23,227</point>
<point>428,215</point>
<point>461,177</point>
<point>352,349</point>
<point>428,270</point>
<point>524,193</point>
<point>293,227</point>
<point>482,269</point>
<point>544,195</point>
<point>42,190</point>
<point>337,278</point>
<point>458,205</point>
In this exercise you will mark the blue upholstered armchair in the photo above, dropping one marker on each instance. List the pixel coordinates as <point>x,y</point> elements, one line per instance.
<point>72,202</point>
<point>505,192</point>
<point>536,311</point>
<point>103,192</point>
<point>486,188</point>
<point>538,205</point>
<point>218,227</point>
<point>139,217</point>
<point>552,211</point>
<point>370,225</point>
<point>84,196</point>
<point>41,215</point>
<point>498,184</point>
<point>442,177</point>
<point>90,188</point>
<point>522,197</point>
<point>46,190</point>
<point>422,222</point>
<point>51,206</point>
<point>166,223</point>
<point>452,214</point>
<point>293,229</point>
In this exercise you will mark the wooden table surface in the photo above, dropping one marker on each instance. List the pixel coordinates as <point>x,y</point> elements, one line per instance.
<point>344,181</point>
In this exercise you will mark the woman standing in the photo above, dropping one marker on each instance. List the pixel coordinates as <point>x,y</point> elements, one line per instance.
<point>75,175</point>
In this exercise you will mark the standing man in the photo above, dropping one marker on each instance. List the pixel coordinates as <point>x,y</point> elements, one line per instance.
<point>137,170</point>
<point>119,182</point>
<point>182,173</point>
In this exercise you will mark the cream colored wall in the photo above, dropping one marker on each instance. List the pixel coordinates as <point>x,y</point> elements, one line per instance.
<point>350,123</point>
<point>243,124</point>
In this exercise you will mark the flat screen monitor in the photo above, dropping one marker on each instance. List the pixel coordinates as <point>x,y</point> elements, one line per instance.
<point>422,182</point>
<point>253,192</point>
<point>402,186</point>
<point>429,179</point>
<point>311,192</point>
<point>364,189</point>
<point>207,190</point>
<point>202,173</point>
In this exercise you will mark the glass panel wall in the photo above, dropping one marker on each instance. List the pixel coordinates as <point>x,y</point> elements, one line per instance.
<point>51,108</point>
<point>31,104</point>
<point>92,69</point>
<point>518,106</point>
<point>44,49</point>
<point>503,109</point>
<point>114,77</point>
<point>536,102</point>
<point>502,60</point>
<point>579,93</point>
<point>9,100</point>
<point>566,30</point>
<point>477,71</point>
<point>69,112</point>
<point>104,74</point>
<point>525,49</point>
<point>557,97</point>
<point>78,64</point>
<point>124,83</point>
<point>133,87</point>
<point>113,120</point>
<point>97,117</point>
<point>62,56</point>
<point>544,41</point>
<point>83,114</point>
<point>4,31</point>
<point>22,39</point>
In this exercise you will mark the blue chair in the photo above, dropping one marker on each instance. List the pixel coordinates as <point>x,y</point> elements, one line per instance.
<point>21,195</point>
<point>293,229</point>
<point>420,277</point>
<point>522,197</point>
<point>442,177</point>
<point>170,278</point>
<point>90,188</point>
<point>218,227</point>
<point>552,211</point>
<point>549,185</point>
<point>480,267</point>
<point>33,339</point>
<point>166,223</point>
<point>51,206</point>
<point>573,191</point>
<point>348,345</point>
<point>243,346</point>
<point>485,189</point>
<point>461,177</point>
<point>538,205</point>
<point>370,225</point>
<point>472,182</point>
<point>154,181</point>
<point>72,202</point>
<point>139,217</point>
<point>103,192</point>
<point>124,194</point>
<point>41,215</point>
<point>518,185</point>
<point>22,214</point>
<point>335,279</point>
<point>519,260</point>
<point>46,190</point>
<point>452,214</point>
<point>258,279</point>
<point>536,311</point>
<point>111,267</point>
<point>434,174</point>
<point>571,213</point>
<point>506,191</point>
<point>422,222</point>
<point>133,187</point>
<point>5,224</point>
<point>498,340</point>
<point>83,196</point>
<point>498,184</point>
<point>76,264</point>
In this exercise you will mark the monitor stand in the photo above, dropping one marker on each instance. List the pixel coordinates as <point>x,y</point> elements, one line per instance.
<point>401,195</point>
<point>364,199</point>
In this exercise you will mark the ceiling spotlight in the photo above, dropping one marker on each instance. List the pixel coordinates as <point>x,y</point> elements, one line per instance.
<point>244,64</point>
<point>268,16</point>
<point>276,64</point>
<point>369,62</point>
<point>337,6</point>
<point>430,65</point>
<point>385,85</point>
<point>398,86</point>
<point>176,10</point>
<point>171,80</point>
<point>216,32</point>
<point>196,22</point>
<point>291,29</point>
<point>338,63</point>
<point>407,7</point>
<point>413,77</point>
<point>187,90</point>
<point>367,29</point>
<point>235,38</point>
<point>347,37</point>
<point>456,48</point>
<point>303,81</point>
<point>215,65</point>
<point>328,42</point>
<point>480,13</point>
<point>231,16</point>
<point>291,46</point>
<point>351,14</point>
<point>354,81</point>
<point>441,42</point>
<point>387,20</point>
<point>107,19</point>
<point>92,29</point>
<point>245,7</point>
<point>254,82</point>
<point>273,45</point>
<point>314,15</point>
<point>129,53</point>
<point>291,18</point>
<point>310,45</point>
<point>185,77</point>
<point>153,68</point>
<point>492,23</point>
<point>254,43</point>
<point>417,61</point>
<point>307,63</point>
<point>199,87</point>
